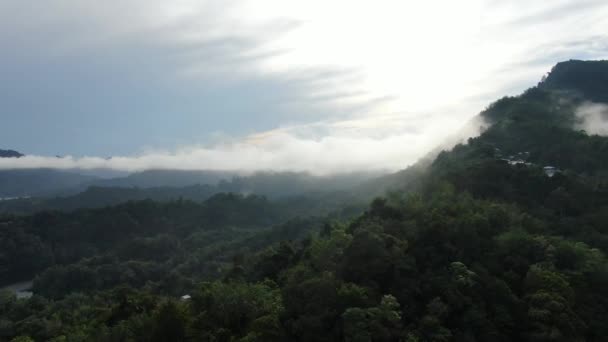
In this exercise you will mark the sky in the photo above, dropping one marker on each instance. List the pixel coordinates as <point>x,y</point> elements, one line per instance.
<point>320,86</point>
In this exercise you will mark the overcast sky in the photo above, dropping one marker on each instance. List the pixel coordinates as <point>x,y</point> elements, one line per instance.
<point>269,84</point>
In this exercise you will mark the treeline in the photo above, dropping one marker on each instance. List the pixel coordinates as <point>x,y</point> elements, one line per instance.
<point>439,267</point>
<point>140,230</point>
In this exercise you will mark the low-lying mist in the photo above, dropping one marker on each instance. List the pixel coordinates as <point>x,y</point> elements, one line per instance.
<point>593,118</point>
<point>279,150</point>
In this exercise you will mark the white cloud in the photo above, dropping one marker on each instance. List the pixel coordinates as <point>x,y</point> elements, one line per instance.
<point>380,144</point>
<point>593,118</point>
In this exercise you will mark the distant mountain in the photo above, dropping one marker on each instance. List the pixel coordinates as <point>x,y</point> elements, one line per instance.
<point>164,184</point>
<point>166,178</point>
<point>98,197</point>
<point>10,154</point>
<point>328,190</point>
<point>38,182</point>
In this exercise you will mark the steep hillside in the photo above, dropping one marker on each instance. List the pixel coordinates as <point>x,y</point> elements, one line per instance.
<point>588,79</point>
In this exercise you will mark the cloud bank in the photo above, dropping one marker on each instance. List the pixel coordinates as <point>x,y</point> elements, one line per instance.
<point>278,150</point>
<point>280,153</point>
<point>354,145</point>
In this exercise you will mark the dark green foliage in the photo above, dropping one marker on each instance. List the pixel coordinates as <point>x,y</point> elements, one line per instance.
<point>225,311</point>
<point>169,323</point>
<point>143,237</point>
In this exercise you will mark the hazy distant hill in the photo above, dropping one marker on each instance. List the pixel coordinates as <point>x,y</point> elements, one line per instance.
<point>274,185</point>
<point>36,182</point>
<point>10,154</point>
<point>20,183</point>
<point>166,178</point>
<point>51,183</point>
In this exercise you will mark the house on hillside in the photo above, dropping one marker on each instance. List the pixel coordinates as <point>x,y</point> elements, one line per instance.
<point>517,162</point>
<point>521,158</point>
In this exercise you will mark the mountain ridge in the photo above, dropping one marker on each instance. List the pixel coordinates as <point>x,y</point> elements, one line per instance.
<point>10,154</point>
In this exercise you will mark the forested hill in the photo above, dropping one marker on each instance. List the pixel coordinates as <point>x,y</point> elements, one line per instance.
<point>537,129</point>
<point>485,243</point>
<point>540,126</point>
<point>544,121</point>
<point>586,78</point>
